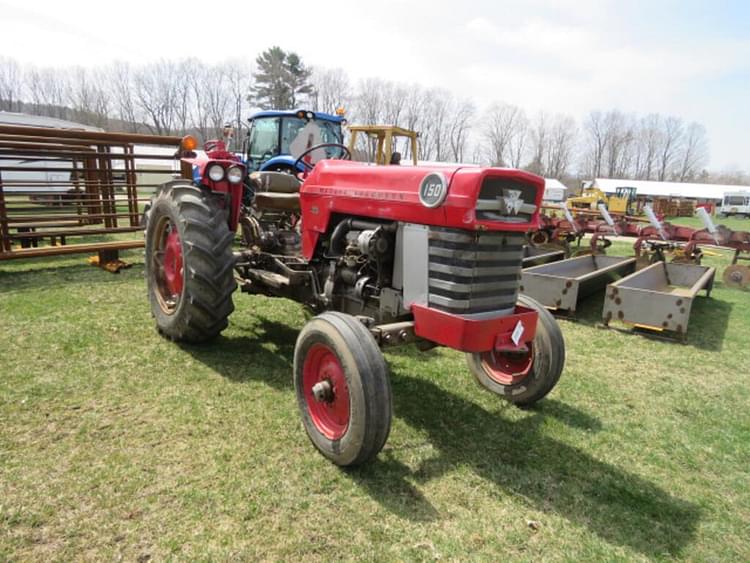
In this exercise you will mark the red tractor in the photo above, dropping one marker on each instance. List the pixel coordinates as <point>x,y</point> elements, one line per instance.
<point>383,255</point>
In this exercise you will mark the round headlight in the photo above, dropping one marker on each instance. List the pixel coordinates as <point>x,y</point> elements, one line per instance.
<point>234,174</point>
<point>216,172</point>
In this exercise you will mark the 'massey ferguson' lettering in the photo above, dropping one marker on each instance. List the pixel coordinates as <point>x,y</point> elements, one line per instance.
<point>364,194</point>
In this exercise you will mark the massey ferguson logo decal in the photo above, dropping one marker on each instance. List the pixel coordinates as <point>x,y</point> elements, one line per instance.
<point>433,189</point>
<point>511,203</point>
<point>507,205</point>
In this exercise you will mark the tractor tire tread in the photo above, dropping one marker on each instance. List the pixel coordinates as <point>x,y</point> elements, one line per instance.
<point>206,302</point>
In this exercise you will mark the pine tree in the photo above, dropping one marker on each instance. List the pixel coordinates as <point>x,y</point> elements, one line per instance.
<point>299,75</point>
<point>281,80</point>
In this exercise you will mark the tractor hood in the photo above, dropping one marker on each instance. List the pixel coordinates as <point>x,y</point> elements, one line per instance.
<point>470,198</point>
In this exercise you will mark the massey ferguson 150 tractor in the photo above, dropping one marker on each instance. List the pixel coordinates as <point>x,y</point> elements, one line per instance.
<point>383,255</point>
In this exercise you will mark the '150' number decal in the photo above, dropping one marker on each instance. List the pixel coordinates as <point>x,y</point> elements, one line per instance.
<point>433,189</point>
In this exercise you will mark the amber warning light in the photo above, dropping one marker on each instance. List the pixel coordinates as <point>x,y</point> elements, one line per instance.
<point>189,143</point>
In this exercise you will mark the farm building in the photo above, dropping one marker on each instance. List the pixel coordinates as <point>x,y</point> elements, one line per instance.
<point>554,191</point>
<point>672,198</point>
<point>28,120</point>
<point>150,171</point>
<point>702,193</point>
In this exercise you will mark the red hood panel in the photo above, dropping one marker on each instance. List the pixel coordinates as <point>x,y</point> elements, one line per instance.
<point>392,193</point>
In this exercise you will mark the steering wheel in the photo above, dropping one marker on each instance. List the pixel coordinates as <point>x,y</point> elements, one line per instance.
<point>345,156</point>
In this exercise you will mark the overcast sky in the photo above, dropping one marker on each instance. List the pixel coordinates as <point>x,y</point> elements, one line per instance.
<point>686,58</point>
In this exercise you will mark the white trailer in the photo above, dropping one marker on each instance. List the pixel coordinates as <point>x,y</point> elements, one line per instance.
<point>735,203</point>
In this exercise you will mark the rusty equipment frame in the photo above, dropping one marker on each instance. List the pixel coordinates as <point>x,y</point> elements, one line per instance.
<point>101,181</point>
<point>658,298</point>
<point>559,285</point>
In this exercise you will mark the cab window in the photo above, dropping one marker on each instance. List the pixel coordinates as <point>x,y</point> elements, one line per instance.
<point>329,133</point>
<point>735,200</point>
<point>264,138</point>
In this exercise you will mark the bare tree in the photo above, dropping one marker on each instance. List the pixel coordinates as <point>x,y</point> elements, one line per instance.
<point>538,136</point>
<point>553,143</point>
<point>669,146</point>
<point>505,123</point>
<point>156,94</point>
<point>175,96</point>
<point>199,82</point>
<point>49,90</point>
<point>647,145</point>
<point>415,115</point>
<point>596,141</point>
<point>560,147</point>
<point>518,143</point>
<point>438,124</point>
<point>370,102</point>
<point>331,89</point>
<point>88,98</point>
<point>618,137</point>
<point>694,152</point>
<point>394,103</point>
<point>239,78</point>
<point>10,85</point>
<point>122,90</point>
<point>459,125</point>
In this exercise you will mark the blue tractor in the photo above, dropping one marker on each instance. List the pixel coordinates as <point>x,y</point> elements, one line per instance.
<point>277,138</point>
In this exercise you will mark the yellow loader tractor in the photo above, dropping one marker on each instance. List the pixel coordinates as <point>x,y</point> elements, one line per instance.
<point>623,200</point>
<point>384,137</point>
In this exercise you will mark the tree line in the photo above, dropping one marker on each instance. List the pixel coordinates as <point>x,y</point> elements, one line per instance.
<point>190,96</point>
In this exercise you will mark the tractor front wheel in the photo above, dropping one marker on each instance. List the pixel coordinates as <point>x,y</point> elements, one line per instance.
<point>189,263</point>
<point>343,389</point>
<point>524,378</point>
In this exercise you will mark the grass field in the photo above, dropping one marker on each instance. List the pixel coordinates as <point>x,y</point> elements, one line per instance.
<point>116,444</point>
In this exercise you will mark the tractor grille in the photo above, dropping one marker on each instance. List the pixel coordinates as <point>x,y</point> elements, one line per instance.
<point>501,199</point>
<point>471,273</point>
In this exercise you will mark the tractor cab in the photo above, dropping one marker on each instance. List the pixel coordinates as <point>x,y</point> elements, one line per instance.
<point>276,139</point>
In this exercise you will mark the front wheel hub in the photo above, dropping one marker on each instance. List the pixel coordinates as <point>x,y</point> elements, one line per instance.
<point>508,368</point>
<point>323,391</point>
<point>326,391</point>
<point>167,263</point>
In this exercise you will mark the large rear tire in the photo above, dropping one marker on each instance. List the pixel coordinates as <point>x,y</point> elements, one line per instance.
<point>524,379</point>
<point>189,263</point>
<point>343,389</point>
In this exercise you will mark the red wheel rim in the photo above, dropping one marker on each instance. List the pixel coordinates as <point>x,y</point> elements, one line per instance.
<point>168,265</point>
<point>326,392</point>
<point>173,262</point>
<point>508,368</point>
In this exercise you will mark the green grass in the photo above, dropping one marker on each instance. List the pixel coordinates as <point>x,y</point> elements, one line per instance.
<point>117,444</point>
<point>734,223</point>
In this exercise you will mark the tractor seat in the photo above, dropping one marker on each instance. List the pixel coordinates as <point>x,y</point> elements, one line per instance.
<point>276,182</point>
<point>277,201</point>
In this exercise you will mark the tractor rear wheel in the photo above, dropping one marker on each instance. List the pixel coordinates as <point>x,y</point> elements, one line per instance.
<point>343,389</point>
<point>524,378</point>
<point>189,263</point>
